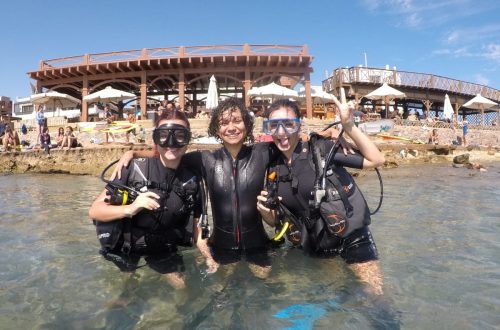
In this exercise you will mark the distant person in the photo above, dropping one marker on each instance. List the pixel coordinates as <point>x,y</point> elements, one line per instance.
<point>45,140</point>
<point>132,120</point>
<point>465,130</point>
<point>10,139</point>
<point>3,125</point>
<point>433,137</point>
<point>59,136</point>
<point>24,136</point>
<point>40,120</point>
<point>69,139</point>
<point>110,116</point>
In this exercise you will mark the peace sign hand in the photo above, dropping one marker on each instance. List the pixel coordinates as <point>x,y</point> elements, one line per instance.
<point>345,108</point>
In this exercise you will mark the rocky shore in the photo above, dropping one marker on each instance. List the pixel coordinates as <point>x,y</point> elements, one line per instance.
<point>91,158</point>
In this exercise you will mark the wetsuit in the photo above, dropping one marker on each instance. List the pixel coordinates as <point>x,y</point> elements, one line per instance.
<point>233,187</point>
<point>154,234</point>
<point>296,182</point>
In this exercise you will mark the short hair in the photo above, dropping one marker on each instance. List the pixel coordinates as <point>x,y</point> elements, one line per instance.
<point>232,104</point>
<point>172,115</point>
<point>283,103</point>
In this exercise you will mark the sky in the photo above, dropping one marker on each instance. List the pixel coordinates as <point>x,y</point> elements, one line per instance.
<point>457,39</point>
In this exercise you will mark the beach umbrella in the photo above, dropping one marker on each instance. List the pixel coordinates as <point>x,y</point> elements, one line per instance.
<point>480,103</point>
<point>212,95</point>
<point>318,95</point>
<point>109,94</point>
<point>273,91</point>
<point>57,99</point>
<point>448,109</point>
<point>385,93</point>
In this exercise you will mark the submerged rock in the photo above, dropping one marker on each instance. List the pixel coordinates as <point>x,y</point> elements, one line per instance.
<point>461,159</point>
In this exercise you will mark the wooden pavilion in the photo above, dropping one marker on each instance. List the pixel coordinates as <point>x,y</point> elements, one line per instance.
<point>177,70</point>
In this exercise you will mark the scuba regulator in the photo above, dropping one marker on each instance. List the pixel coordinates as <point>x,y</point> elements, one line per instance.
<point>272,191</point>
<point>117,193</point>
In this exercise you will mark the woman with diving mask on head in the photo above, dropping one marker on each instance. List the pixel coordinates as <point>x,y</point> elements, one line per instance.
<point>158,209</point>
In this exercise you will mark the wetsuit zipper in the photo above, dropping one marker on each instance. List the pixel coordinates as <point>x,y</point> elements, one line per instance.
<point>236,224</point>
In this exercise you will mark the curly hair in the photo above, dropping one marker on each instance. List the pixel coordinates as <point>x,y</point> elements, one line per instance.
<point>283,103</point>
<point>232,104</point>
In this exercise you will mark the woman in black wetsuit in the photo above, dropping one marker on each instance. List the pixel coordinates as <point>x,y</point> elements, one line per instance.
<point>159,219</point>
<point>296,179</point>
<point>235,177</point>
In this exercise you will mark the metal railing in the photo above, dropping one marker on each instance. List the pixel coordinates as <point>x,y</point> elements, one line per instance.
<point>351,75</point>
<point>174,52</point>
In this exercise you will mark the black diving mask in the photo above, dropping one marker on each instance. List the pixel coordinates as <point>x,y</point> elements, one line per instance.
<point>171,136</point>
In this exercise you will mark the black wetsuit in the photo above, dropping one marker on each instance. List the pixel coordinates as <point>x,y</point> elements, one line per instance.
<point>296,182</point>
<point>233,187</point>
<point>156,234</point>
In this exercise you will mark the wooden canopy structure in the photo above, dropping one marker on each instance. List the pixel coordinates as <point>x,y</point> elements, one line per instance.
<point>177,70</point>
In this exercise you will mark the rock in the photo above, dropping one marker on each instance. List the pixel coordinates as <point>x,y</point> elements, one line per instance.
<point>461,159</point>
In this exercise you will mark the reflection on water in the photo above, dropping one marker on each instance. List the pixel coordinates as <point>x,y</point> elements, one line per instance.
<point>437,235</point>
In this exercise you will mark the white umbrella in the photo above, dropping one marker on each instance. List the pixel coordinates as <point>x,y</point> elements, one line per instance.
<point>60,99</point>
<point>448,109</point>
<point>109,94</point>
<point>480,102</point>
<point>212,96</point>
<point>318,95</point>
<point>386,93</point>
<point>273,91</point>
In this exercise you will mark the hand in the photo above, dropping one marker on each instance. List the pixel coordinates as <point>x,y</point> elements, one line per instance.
<point>267,214</point>
<point>212,266</point>
<point>147,200</point>
<point>345,108</point>
<point>123,162</point>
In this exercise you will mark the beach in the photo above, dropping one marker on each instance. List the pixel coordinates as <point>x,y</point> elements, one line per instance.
<point>91,157</point>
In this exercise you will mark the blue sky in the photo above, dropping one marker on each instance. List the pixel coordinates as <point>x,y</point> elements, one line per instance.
<point>453,38</point>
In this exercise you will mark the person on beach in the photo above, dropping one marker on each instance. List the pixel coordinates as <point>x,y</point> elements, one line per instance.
<point>40,120</point>
<point>341,235</point>
<point>10,139</point>
<point>45,140</point>
<point>110,116</point>
<point>433,137</point>
<point>69,139</point>
<point>165,213</point>
<point>59,136</point>
<point>465,130</point>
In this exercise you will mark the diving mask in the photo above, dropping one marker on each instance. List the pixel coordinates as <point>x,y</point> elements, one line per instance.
<point>171,136</point>
<point>289,125</point>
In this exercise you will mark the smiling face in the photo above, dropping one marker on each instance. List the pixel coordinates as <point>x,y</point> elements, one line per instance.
<point>285,141</point>
<point>232,130</point>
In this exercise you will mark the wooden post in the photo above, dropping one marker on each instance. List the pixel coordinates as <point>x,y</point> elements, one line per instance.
<point>247,84</point>
<point>144,95</point>
<point>307,85</point>
<point>182,86</point>
<point>84,116</point>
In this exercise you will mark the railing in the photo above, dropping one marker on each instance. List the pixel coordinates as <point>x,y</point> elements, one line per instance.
<point>343,76</point>
<point>174,52</point>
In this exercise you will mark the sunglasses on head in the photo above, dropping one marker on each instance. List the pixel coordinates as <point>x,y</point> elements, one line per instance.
<point>289,125</point>
<point>171,136</point>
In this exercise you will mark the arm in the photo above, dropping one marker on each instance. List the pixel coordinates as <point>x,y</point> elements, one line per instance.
<point>102,211</point>
<point>127,157</point>
<point>373,156</point>
<point>202,245</point>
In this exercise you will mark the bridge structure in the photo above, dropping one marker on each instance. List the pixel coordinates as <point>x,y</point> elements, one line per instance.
<point>421,89</point>
<point>178,70</point>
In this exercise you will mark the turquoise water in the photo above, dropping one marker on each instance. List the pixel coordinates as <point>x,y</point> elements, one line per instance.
<point>437,235</point>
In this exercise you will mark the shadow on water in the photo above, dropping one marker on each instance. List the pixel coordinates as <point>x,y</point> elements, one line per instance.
<point>437,235</point>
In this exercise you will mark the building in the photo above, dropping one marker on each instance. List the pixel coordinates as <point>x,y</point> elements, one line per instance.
<point>179,71</point>
<point>5,106</point>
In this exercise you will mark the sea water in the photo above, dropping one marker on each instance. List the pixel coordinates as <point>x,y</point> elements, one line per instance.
<point>437,234</point>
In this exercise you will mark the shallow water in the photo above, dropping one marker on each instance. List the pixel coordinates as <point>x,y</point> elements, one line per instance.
<point>437,235</point>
